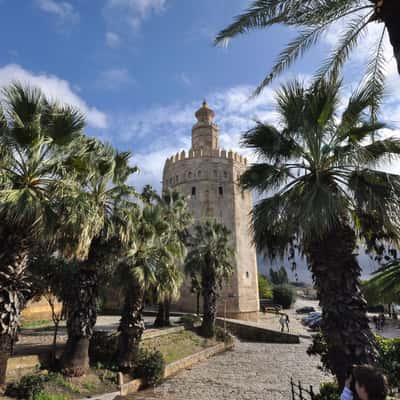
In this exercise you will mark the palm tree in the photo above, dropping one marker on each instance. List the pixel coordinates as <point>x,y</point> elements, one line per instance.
<point>169,274</point>
<point>210,256</point>
<point>384,285</point>
<point>322,190</point>
<point>35,136</point>
<point>96,233</point>
<point>314,18</point>
<point>137,275</point>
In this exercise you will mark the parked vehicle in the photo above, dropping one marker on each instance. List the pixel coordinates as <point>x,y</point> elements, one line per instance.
<point>315,323</point>
<point>305,310</point>
<point>267,305</point>
<point>309,318</point>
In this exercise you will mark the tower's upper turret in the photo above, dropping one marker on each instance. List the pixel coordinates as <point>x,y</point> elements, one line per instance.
<point>205,133</point>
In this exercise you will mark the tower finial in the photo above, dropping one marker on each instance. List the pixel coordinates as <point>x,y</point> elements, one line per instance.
<point>205,114</point>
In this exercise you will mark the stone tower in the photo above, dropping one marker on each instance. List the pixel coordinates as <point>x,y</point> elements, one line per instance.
<point>208,176</point>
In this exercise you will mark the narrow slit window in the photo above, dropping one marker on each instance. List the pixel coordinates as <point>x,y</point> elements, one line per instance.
<point>221,191</point>
<point>193,191</point>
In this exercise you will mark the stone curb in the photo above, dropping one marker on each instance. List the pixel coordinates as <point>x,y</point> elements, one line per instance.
<point>173,368</point>
<point>255,332</point>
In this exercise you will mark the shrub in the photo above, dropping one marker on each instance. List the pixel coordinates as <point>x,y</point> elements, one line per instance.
<point>328,391</point>
<point>283,295</point>
<point>264,287</point>
<point>103,347</point>
<point>279,277</point>
<point>150,367</point>
<point>28,387</point>
<point>389,359</point>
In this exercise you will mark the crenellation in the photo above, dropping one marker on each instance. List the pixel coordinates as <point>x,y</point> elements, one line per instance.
<point>203,153</point>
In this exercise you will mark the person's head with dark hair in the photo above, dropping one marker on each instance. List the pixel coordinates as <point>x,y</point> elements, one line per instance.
<point>369,382</point>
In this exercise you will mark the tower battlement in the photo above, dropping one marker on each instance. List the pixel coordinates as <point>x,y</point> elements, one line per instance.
<point>206,153</point>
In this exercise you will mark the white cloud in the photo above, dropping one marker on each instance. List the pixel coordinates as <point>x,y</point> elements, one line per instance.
<point>114,79</point>
<point>61,9</point>
<point>54,88</point>
<point>185,79</point>
<point>122,14</point>
<point>162,131</point>
<point>113,40</point>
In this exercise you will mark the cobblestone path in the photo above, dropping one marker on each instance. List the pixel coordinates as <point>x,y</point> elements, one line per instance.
<point>252,371</point>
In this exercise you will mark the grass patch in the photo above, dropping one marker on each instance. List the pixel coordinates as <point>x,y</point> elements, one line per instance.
<point>36,324</point>
<point>178,345</point>
<point>97,381</point>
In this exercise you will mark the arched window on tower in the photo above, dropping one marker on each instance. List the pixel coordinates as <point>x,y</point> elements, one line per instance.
<point>193,191</point>
<point>190,175</point>
<point>225,174</point>
<point>221,191</point>
<point>199,174</point>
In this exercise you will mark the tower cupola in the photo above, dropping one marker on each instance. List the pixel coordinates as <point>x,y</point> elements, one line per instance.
<point>205,133</point>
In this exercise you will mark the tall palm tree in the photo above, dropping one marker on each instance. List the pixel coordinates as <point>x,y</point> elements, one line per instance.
<point>35,138</point>
<point>210,256</point>
<point>314,18</point>
<point>137,275</point>
<point>169,274</point>
<point>95,235</point>
<point>323,190</point>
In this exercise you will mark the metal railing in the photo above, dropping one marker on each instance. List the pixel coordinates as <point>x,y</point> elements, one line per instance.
<point>300,392</point>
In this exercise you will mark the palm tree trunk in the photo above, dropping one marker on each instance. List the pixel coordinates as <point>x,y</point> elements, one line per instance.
<point>198,303</point>
<point>163,314</point>
<point>390,14</point>
<point>14,290</point>
<point>160,318</point>
<point>210,308</point>
<point>81,319</point>
<point>131,327</point>
<point>336,275</point>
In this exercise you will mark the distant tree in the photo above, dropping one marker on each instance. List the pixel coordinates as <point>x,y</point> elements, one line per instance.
<point>279,277</point>
<point>95,234</point>
<point>169,275</point>
<point>283,295</point>
<point>264,287</point>
<point>137,275</point>
<point>211,257</point>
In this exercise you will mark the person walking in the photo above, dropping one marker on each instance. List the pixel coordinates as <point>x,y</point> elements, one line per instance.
<point>284,321</point>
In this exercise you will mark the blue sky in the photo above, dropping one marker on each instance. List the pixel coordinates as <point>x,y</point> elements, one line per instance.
<point>139,69</point>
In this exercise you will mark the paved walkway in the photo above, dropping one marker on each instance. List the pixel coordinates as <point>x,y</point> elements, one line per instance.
<point>251,371</point>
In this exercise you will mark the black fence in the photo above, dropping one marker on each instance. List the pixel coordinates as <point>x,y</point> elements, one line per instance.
<point>300,392</point>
